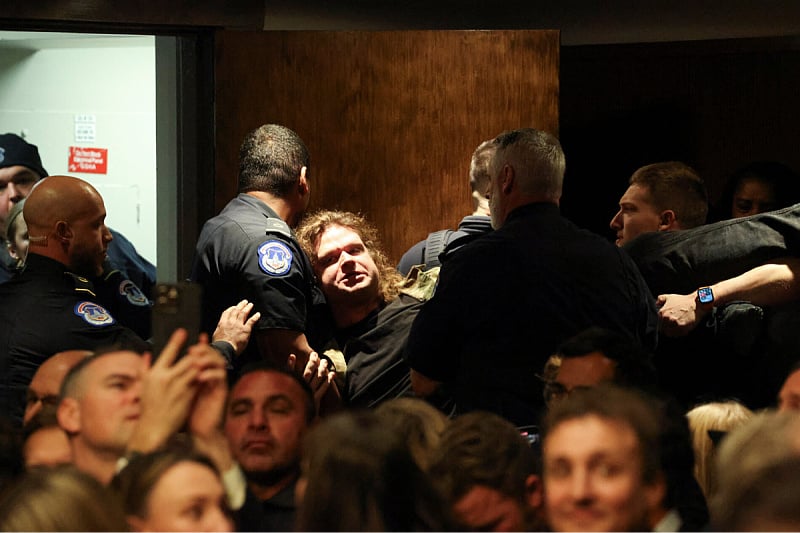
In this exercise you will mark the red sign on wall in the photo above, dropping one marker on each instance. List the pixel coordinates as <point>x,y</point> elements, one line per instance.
<point>88,160</point>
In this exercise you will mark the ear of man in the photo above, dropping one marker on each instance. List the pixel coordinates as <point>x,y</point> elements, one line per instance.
<point>534,491</point>
<point>668,221</point>
<point>63,231</point>
<point>69,416</point>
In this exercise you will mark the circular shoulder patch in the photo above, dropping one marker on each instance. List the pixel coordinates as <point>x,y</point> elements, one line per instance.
<point>274,258</point>
<point>94,314</point>
<point>134,294</point>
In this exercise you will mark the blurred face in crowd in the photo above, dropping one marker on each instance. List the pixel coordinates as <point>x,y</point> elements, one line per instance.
<point>752,196</point>
<point>485,508</point>
<point>47,446</point>
<point>15,184</point>
<point>584,371</point>
<point>45,386</point>
<point>106,408</point>
<point>188,497</point>
<point>636,215</point>
<point>345,268</point>
<point>593,477</point>
<point>265,422</point>
<point>18,242</point>
<point>789,395</point>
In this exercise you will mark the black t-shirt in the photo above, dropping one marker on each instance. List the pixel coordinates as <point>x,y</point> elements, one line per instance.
<point>505,302</point>
<point>373,349</point>
<point>247,251</point>
<point>46,310</point>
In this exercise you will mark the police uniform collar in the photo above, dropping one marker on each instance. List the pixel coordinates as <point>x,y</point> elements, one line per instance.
<point>255,202</point>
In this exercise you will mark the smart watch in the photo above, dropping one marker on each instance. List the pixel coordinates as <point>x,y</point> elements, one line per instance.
<point>705,295</point>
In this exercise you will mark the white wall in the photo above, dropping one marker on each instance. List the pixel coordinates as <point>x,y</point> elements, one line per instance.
<point>111,79</point>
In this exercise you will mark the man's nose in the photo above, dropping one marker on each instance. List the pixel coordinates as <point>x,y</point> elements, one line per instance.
<point>616,222</point>
<point>581,485</point>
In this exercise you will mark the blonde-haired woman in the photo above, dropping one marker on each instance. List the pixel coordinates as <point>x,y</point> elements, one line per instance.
<point>709,423</point>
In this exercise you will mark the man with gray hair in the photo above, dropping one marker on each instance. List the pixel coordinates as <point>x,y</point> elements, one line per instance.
<point>505,302</point>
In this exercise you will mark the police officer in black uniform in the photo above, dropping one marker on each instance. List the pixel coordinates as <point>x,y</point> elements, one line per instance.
<point>52,306</point>
<point>20,169</point>
<point>248,251</point>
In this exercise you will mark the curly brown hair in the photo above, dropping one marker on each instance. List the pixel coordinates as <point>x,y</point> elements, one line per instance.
<point>314,225</point>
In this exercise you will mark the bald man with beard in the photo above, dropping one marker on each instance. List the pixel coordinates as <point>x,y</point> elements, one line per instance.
<point>52,306</point>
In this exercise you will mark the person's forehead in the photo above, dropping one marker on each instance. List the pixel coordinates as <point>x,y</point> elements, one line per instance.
<point>637,194</point>
<point>263,384</point>
<point>335,236</point>
<point>8,174</point>
<point>589,369</point>
<point>792,383</point>
<point>591,434</point>
<point>122,362</point>
<point>51,373</point>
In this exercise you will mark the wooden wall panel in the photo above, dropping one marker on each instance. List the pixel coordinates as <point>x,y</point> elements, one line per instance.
<point>390,118</point>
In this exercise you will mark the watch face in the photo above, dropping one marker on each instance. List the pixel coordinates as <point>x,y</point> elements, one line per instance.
<point>705,295</point>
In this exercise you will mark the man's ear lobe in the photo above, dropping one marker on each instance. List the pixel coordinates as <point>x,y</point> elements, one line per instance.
<point>69,416</point>
<point>534,491</point>
<point>668,221</point>
<point>63,231</point>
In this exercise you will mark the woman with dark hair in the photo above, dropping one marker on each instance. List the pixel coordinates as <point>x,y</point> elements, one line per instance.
<point>173,490</point>
<point>360,476</point>
<point>758,187</point>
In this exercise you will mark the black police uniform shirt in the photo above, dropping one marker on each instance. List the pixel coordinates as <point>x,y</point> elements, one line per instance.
<point>506,301</point>
<point>124,300</point>
<point>248,252</point>
<point>47,309</point>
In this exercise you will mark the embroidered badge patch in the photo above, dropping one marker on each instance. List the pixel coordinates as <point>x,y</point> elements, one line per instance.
<point>134,294</point>
<point>274,258</point>
<point>94,314</point>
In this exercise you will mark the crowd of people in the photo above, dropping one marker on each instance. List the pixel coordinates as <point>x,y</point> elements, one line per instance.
<point>518,373</point>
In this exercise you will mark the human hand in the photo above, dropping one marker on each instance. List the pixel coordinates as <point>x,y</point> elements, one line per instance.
<point>234,327</point>
<point>167,392</point>
<point>319,374</point>
<point>211,389</point>
<point>678,314</point>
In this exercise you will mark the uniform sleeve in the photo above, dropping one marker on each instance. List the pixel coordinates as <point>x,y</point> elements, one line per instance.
<point>272,277</point>
<point>434,343</point>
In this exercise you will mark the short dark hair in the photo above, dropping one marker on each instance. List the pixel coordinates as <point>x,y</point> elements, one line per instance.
<point>634,365</point>
<point>611,402</point>
<point>482,448</point>
<point>270,160</point>
<point>268,366</point>
<point>676,186</point>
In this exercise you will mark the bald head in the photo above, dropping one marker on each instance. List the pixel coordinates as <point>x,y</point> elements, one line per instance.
<point>58,198</point>
<point>66,222</point>
<point>46,383</point>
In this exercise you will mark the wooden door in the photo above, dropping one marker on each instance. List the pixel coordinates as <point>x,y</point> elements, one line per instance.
<point>390,118</point>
